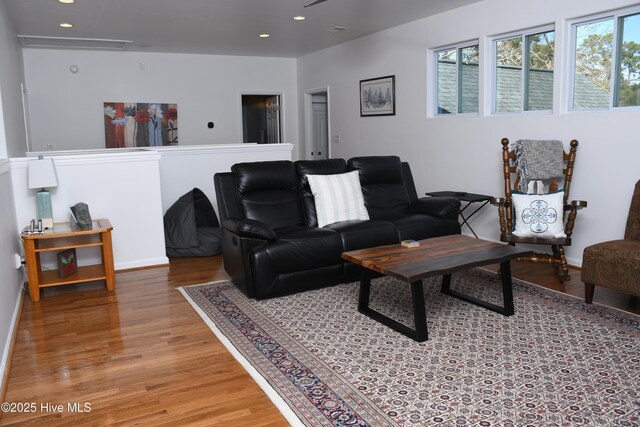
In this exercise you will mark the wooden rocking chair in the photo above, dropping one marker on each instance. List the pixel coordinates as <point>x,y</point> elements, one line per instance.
<point>506,211</point>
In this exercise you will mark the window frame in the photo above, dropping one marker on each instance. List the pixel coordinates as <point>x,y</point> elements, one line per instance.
<point>433,54</point>
<point>571,31</point>
<point>524,72</point>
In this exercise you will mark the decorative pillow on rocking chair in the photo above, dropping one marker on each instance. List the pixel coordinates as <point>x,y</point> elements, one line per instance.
<point>539,215</point>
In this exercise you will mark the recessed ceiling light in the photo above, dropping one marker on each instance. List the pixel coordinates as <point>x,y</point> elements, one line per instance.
<point>67,1</point>
<point>299,18</point>
<point>66,25</point>
<point>264,35</point>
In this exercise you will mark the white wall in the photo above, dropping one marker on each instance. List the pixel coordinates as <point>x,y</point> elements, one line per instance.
<point>11,139</point>
<point>463,153</point>
<point>185,168</point>
<point>66,109</point>
<point>10,289</point>
<point>123,187</point>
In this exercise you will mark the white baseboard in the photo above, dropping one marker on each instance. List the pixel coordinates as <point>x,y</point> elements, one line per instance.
<point>6,351</point>
<point>149,262</point>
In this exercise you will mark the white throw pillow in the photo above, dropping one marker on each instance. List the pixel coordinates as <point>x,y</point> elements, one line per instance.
<point>539,215</point>
<point>338,197</point>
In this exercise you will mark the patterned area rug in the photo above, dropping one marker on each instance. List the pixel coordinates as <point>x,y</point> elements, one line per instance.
<point>556,362</point>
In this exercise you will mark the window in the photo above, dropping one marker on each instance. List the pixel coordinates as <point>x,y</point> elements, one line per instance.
<point>457,74</point>
<point>606,62</point>
<point>527,87</point>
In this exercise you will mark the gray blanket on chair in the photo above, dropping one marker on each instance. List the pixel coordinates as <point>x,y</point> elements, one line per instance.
<point>537,160</point>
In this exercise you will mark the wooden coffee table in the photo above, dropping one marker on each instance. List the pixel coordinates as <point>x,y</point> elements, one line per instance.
<point>440,256</point>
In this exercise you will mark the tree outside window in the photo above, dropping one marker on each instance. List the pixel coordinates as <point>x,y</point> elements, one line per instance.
<point>529,87</point>
<point>607,48</point>
<point>628,65</point>
<point>592,77</point>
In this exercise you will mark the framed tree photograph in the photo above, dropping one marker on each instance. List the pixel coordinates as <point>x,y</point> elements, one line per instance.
<point>67,263</point>
<point>378,96</point>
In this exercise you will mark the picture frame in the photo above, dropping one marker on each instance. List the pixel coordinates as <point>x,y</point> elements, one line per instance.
<point>67,262</point>
<point>140,124</point>
<point>378,96</point>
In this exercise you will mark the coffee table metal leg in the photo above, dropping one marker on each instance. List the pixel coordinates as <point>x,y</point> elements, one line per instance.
<point>507,292</point>
<point>420,333</point>
<point>419,314</point>
<point>365,290</point>
<point>507,288</point>
<point>445,288</point>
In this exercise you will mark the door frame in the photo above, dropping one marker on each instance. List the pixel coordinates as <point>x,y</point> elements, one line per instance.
<point>262,93</point>
<point>308,119</point>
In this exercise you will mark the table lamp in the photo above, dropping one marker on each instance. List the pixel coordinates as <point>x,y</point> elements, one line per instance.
<point>42,175</point>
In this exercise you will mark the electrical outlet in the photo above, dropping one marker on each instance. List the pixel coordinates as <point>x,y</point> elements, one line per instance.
<point>18,260</point>
<point>335,139</point>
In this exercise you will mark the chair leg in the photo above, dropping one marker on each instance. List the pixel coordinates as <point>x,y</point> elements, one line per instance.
<point>563,269</point>
<point>588,293</point>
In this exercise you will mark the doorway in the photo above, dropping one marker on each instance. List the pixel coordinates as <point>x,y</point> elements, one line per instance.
<point>261,119</point>
<point>317,124</point>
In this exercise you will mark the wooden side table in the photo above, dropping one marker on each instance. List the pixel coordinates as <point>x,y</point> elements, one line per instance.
<point>67,236</point>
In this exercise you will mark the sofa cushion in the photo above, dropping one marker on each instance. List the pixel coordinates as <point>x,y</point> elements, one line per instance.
<point>337,198</point>
<point>418,226</point>
<point>365,234</point>
<point>315,167</point>
<point>382,183</point>
<point>268,192</point>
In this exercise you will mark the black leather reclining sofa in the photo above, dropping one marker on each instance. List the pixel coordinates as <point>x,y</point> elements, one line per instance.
<point>271,241</point>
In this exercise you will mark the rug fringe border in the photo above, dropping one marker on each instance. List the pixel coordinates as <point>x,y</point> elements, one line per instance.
<point>203,284</point>
<point>279,403</point>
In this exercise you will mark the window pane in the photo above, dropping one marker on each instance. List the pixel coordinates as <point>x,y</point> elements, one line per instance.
<point>539,76</point>
<point>593,65</point>
<point>628,90</point>
<point>447,82</point>
<point>469,74</point>
<point>508,75</point>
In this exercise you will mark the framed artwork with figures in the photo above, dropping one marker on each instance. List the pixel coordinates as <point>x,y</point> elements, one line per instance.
<point>138,124</point>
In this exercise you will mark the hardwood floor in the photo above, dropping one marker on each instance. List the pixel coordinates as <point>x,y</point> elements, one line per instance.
<point>142,355</point>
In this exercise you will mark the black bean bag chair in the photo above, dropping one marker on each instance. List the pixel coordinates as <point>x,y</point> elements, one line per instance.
<point>191,227</point>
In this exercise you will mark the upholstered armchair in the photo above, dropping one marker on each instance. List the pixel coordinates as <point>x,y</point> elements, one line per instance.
<point>615,264</point>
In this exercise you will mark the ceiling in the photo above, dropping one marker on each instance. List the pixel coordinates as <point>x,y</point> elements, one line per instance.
<point>222,27</point>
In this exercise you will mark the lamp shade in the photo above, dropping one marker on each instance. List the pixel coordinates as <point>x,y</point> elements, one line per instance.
<point>42,173</point>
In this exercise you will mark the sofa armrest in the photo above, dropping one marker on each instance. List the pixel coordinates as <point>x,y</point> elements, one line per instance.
<point>441,207</point>
<point>249,228</point>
